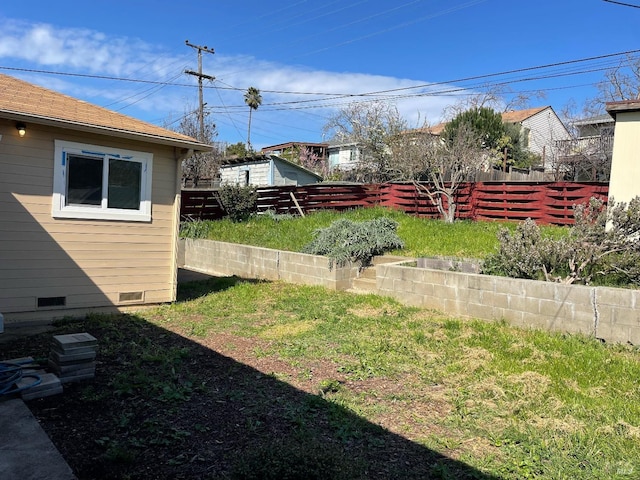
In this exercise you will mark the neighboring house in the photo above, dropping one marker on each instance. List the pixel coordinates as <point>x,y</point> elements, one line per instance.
<point>587,156</point>
<point>343,156</point>
<point>541,128</point>
<point>292,150</point>
<point>624,183</point>
<point>265,170</point>
<point>89,206</point>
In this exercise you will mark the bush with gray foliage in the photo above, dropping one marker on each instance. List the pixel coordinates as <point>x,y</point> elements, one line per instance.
<point>358,242</point>
<point>603,247</point>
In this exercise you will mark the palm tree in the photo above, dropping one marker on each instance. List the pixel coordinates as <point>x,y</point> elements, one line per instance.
<point>252,98</point>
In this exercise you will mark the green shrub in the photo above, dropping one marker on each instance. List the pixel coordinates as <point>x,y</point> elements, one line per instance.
<point>345,240</point>
<point>195,228</point>
<point>239,202</point>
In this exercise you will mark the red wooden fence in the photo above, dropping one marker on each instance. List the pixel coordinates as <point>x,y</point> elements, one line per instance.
<point>545,202</point>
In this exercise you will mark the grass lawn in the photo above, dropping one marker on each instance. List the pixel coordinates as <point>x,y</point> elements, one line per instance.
<point>268,380</point>
<point>422,237</point>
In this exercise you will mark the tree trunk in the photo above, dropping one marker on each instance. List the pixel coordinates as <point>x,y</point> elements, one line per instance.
<point>249,149</point>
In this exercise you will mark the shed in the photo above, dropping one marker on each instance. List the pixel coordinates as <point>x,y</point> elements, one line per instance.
<point>89,206</point>
<point>265,170</point>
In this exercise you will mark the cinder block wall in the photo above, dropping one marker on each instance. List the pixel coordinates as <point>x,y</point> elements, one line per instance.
<point>220,258</point>
<point>608,313</point>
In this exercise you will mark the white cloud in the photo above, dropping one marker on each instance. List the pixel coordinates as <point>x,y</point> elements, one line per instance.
<point>84,51</point>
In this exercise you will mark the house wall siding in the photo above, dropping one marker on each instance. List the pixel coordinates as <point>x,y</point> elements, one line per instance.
<point>89,262</point>
<point>287,175</point>
<point>546,128</point>
<point>344,157</point>
<point>625,174</point>
<point>258,174</point>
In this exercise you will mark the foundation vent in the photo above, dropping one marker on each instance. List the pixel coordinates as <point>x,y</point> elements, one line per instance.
<point>45,302</point>
<point>130,297</point>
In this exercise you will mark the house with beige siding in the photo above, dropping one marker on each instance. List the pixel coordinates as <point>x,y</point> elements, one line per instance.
<point>89,206</point>
<point>624,184</point>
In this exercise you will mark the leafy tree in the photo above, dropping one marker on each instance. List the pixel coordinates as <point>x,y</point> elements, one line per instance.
<point>239,149</point>
<point>253,99</point>
<point>496,138</point>
<point>373,127</point>
<point>517,153</point>
<point>484,122</point>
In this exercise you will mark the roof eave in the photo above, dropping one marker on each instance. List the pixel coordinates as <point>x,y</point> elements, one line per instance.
<point>84,127</point>
<point>624,106</point>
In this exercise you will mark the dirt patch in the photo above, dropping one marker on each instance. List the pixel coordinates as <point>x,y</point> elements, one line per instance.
<point>217,406</point>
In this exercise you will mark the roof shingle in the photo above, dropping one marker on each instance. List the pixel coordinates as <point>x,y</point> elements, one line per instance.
<point>23,100</point>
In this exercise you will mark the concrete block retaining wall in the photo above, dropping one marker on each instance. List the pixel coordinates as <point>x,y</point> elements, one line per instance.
<point>608,313</point>
<point>220,258</point>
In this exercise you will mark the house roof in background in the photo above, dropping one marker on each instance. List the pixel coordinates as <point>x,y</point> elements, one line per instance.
<point>595,120</point>
<point>23,101</point>
<point>291,145</point>
<point>516,116</point>
<point>258,158</point>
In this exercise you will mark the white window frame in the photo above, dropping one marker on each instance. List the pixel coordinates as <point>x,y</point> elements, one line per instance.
<point>102,211</point>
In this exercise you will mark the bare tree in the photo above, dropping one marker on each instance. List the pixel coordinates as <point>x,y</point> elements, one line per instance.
<point>495,97</point>
<point>200,165</point>
<point>372,126</point>
<point>619,83</point>
<point>584,156</point>
<point>437,167</point>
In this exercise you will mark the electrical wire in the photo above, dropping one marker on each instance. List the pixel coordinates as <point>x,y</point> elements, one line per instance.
<point>378,92</point>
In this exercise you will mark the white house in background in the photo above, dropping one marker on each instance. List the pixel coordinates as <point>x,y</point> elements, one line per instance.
<point>587,155</point>
<point>343,156</point>
<point>541,128</point>
<point>265,170</point>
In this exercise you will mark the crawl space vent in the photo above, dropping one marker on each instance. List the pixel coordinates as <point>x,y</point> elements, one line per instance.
<point>130,296</point>
<point>44,302</point>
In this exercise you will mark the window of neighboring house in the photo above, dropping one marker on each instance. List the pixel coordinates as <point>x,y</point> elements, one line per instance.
<point>101,183</point>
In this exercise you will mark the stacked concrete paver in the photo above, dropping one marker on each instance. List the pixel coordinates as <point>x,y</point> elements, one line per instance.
<point>73,357</point>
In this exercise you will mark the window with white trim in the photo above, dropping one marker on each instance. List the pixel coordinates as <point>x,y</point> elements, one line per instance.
<point>101,183</point>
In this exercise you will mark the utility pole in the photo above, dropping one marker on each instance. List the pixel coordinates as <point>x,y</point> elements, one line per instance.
<point>200,76</point>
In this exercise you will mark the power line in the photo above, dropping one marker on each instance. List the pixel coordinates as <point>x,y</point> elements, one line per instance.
<point>622,3</point>
<point>412,87</point>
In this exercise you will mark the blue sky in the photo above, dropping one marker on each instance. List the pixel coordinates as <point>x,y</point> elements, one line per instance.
<point>310,58</point>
